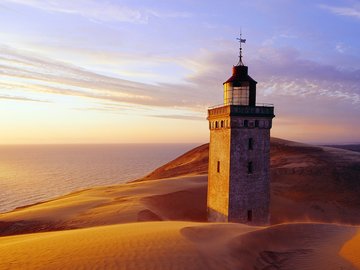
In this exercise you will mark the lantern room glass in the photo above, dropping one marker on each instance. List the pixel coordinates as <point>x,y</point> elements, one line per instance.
<point>236,95</point>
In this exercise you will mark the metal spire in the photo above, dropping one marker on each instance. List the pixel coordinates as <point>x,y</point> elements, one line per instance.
<point>241,40</point>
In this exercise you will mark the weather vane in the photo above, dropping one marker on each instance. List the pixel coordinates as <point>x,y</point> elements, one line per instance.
<point>241,40</point>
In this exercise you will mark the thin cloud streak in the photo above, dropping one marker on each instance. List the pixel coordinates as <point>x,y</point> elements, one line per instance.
<point>100,11</point>
<point>50,76</point>
<point>181,117</point>
<point>22,99</point>
<point>343,11</point>
<point>90,9</point>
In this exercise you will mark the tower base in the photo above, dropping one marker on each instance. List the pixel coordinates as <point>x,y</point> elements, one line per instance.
<point>215,216</point>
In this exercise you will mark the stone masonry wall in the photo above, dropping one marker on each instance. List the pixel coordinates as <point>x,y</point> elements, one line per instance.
<point>250,192</point>
<point>234,193</point>
<point>218,182</point>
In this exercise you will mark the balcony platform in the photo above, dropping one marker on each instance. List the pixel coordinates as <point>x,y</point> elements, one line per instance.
<point>260,110</point>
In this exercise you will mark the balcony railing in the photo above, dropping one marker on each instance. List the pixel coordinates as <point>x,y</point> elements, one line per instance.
<point>230,104</point>
<point>261,109</point>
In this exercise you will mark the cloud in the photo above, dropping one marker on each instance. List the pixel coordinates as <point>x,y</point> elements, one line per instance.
<point>21,99</point>
<point>91,9</point>
<point>283,76</point>
<point>21,70</point>
<point>103,11</point>
<point>340,47</point>
<point>281,72</point>
<point>343,11</point>
<point>275,38</point>
<point>284,71</point>
<point>181,117</point>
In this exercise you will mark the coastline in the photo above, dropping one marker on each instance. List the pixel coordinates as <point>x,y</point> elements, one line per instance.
<point>37,173</point>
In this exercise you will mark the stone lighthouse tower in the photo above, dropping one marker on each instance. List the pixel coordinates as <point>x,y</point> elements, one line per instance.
<point>239,155</point>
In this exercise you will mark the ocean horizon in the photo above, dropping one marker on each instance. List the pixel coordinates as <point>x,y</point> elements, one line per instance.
<point>34,173</point>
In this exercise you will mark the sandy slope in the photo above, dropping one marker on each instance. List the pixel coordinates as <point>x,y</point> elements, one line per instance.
<point>351,250</point>
<point>165,199</point>
<point>181,245</point>
<point>193,162</point>
<point>309,183</point>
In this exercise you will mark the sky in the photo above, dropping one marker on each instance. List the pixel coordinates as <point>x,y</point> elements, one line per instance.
<point>145,71</point>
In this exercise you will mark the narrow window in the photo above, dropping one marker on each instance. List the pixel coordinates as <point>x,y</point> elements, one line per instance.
<point>250,143</point>
<point>249,215</point>
<point>216,124</point>
<point>246,123</point>
<point>256,123</point>
<point>222,123</point>
<point>250,167</point>
<point>218,166</point>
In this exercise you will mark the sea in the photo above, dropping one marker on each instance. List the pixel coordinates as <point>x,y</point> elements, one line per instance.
<point>36,173</point>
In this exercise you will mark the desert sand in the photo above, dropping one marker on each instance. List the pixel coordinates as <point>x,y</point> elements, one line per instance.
<point>159,221</point>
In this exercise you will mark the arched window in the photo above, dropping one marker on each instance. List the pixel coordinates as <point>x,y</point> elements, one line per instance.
<point>222,123</point>
<point>216,124</point>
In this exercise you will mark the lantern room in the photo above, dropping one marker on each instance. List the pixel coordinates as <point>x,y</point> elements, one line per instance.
<point>240,88</point>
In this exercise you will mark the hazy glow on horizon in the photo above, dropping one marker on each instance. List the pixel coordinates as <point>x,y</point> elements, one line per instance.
<point>145,71</point>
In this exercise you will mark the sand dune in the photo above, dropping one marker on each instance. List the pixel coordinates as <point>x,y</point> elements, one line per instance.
<point>165,199</point>
<point>183,245</point>
<point>309,184</point>
<point>351,250</point>
<point>193,162</point>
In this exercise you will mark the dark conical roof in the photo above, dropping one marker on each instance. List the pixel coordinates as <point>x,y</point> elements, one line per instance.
<point>240,74</point>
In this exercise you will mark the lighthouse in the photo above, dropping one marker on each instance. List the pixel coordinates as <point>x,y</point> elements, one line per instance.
<point>239,152</point>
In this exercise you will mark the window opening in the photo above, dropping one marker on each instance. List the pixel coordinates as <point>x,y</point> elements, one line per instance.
<point>250,167</point>
<point>249,215</point>
<point>250,143</point>
<point>218,166</point>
